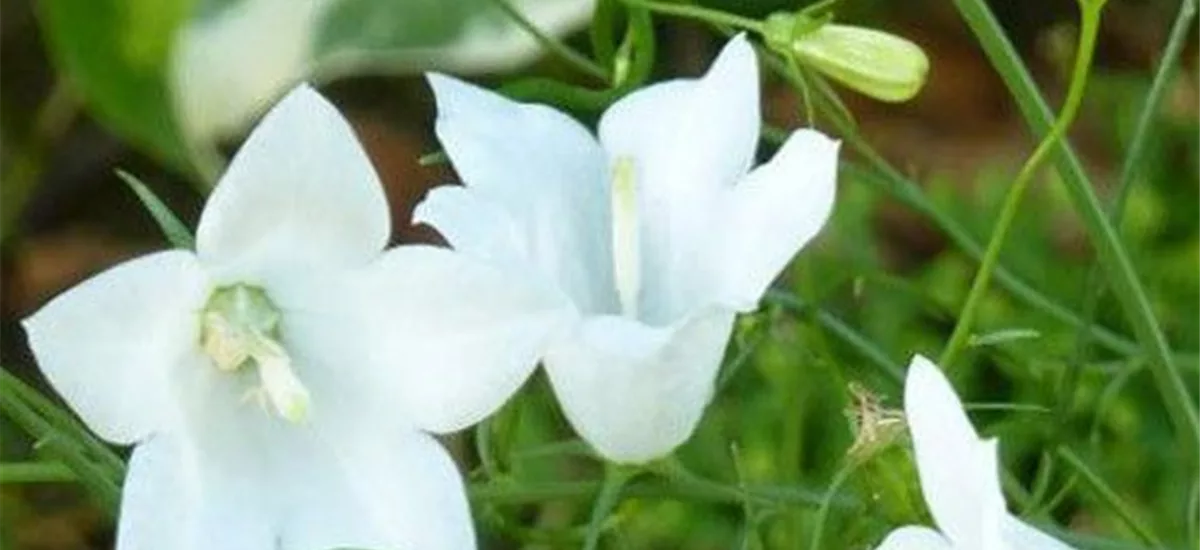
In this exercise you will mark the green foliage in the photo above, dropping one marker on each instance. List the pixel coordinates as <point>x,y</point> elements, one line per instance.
<point>1082,360</point>
<point>115,53</point>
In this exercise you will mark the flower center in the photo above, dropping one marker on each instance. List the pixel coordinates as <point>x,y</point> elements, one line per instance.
<point>627,269</point>
<point>239,328</point>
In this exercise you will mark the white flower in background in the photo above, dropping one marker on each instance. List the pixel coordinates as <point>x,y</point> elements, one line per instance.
<point>233,61</point>
<point>652,237</point>
<point>227,67</point>
<point>960,478</point>
<point>257,376</point>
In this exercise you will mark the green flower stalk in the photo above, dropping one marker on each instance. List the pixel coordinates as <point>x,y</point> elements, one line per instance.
<point>881,65</point>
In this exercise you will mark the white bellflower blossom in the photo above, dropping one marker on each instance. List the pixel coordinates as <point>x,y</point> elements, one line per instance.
<point>960,477</point>
<point>257,375</point>
<point>230,61</point>
<point>651,237</point>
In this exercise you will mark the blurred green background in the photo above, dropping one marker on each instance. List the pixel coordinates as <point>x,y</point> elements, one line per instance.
<point>89,86</point>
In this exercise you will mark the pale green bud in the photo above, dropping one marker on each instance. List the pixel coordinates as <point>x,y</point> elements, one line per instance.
<point>881,65</point>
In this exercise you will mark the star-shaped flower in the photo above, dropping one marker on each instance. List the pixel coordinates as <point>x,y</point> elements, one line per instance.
<point>652,237</point>
<point>263,377</point>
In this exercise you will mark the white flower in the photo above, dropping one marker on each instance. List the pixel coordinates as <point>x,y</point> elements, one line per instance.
<point>653,236</point>
<point>275,380</point>
<point>230,62</point>
<point>227,67</point>
<point>959,475</point>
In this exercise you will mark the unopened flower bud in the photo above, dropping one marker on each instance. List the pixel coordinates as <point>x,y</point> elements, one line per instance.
<point>881,65</point>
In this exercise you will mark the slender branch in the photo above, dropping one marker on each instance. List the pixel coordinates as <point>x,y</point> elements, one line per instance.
<point>553,45</point>
<point>1090,13</point>
<point>1111,252</point>
<point>1109,496</point>
<point>1167,67</point>
<point>830,322</point>
<point>715,17</point>
<point>676,488</point>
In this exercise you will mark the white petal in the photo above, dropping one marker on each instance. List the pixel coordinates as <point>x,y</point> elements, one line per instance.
<point>226,71</point>
<point>300,192</point>
<point>636,392</point>
<point>157,501</point>
<point>686,133</point>
<point>1019,535</point>
<point>912,537</point>
<point>353,474</point>
<point>449,339</point>
<point>773,213</point>
<point>107,344</point>
<point>180,496</point>
<point>365,487</point>
<point>228,442</point>
<point>959,474</point>
<point>475,226</point>
<point>687,141</point>
<point>542,168</point>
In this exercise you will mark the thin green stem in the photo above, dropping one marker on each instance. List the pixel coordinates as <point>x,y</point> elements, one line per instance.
<point>100,483</point>
<point>750,538</point>
<point>810,115</point>
<point>615,478</point>
<point>1108,495</point>
<point>15,391</point>
<point>823,512</point>
<point>553,45</point>
<point>1193,512</point>
<point>676,486</point>
<point>740,359</point>
<point>698,13</point>
<point>1123,278</point>
<point>883,175</point>
<point>600,32</point>
<point>35,472</point>
<point>844,332</point>
<point>1167,66</point>
<point>1090,27</point>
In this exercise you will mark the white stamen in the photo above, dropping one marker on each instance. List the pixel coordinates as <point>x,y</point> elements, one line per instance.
<point>239,328</point>
<point>626,252</point>
<point>287,395</point>
<point>222,342</point>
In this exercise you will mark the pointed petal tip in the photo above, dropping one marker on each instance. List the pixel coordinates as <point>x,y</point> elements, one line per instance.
<point>922,379</point>
<point>451,94</point>
<point>740,41</point>
<point>926,388</point>
<point>305,170</point>
<point>438,80</point>
<point>735,59</point>
<point>303,95</point>
<point>817,138</point>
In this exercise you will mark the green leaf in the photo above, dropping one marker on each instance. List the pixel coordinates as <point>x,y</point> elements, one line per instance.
<point>1002,337</point>
<point>359,36</point>
<point>115,54</point>
<point>174,230</point>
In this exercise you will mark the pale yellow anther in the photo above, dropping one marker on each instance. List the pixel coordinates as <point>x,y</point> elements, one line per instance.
<point>223,343</point>
<point>240,328</point>
<point>287,395</point>
<point>626,250</point>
